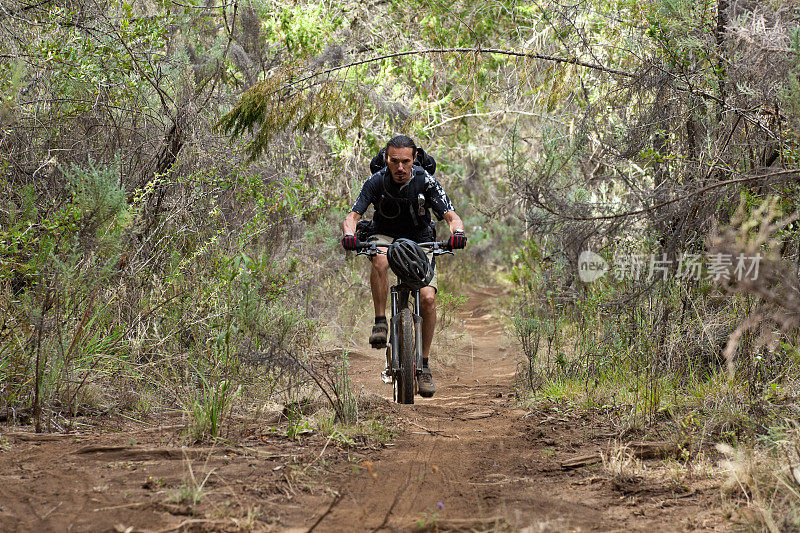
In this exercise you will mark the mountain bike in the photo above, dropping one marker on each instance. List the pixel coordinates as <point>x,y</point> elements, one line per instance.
<point>404,345</point>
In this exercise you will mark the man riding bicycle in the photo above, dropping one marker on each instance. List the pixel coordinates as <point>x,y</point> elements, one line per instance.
<point>401,193</point>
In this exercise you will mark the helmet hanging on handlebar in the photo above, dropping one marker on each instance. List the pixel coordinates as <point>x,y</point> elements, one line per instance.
<point>408,261</point>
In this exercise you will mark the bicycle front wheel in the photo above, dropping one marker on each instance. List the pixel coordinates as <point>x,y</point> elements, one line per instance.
<point>404,379</point>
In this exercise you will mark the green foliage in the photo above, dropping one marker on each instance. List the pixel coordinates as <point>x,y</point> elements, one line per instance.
<point>279,104</point>
<point>210,409</point>
<point>140,255</point>
<point>448,304</point>
<point>215,298</point>
<point>298,424</point>
<point>378,430</point>
<point>790,93</point>
<point>304,29</point>
<point>59,262</point>
<point>100,57</point>
<point>641,357</point>
<point>528,331</point>
<point>345,404</point>
<point>299,98</point>
<point>96,192</point>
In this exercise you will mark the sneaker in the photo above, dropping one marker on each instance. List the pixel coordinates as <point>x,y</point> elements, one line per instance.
<point>386,375</point>
<point>425,383</point>
<point>378,337</point>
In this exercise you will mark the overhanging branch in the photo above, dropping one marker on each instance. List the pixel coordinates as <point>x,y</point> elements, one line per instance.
<point>701,190</point>
<point>513,53</point>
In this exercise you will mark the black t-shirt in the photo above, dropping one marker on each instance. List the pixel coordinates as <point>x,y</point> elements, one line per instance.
<point>395,219</point>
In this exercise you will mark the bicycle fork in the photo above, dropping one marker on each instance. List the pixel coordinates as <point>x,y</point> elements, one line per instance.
<point>417,334</point>
<point>399,301</point>
<point>394,342</point>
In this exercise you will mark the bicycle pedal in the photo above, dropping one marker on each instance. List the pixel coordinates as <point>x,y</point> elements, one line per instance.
<point>386,376</point>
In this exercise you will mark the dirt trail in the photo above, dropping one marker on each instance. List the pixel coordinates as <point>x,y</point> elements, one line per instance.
<point>469,459</point>
<point>472,460</point>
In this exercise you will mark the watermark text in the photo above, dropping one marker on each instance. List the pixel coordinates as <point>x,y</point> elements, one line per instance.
<point>690,267</point>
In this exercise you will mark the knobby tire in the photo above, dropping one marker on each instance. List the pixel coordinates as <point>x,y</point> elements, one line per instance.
<point>405,378</point>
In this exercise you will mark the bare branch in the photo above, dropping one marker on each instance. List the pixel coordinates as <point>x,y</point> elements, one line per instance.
<point>696,192</point>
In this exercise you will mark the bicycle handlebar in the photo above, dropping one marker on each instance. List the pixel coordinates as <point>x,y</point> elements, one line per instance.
<point>371,248</point>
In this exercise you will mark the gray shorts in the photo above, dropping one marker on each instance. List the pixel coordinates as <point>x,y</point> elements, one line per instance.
<point>384,239</point>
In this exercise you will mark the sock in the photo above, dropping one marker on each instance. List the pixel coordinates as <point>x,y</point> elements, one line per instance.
<point>424,362</point>
<point>379,319</point>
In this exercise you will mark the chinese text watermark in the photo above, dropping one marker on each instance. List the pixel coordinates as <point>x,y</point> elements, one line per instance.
<point>713,267</point>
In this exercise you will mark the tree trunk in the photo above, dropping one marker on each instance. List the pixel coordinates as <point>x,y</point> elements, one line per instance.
<point>719,34</point>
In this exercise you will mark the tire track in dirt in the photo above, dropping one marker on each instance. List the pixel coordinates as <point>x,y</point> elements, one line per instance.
<point>471,459</point>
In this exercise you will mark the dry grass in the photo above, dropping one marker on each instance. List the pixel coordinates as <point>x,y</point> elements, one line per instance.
<point>765,482</point>
<point>622,467</point>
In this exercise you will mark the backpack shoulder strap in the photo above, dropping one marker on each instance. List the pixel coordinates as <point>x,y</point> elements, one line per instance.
<point>378,162</point>
<point>419,182</point>
<point>426,161</point>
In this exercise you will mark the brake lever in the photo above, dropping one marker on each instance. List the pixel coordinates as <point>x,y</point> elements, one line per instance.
<point>441,250</point>
<point>367,250</point>
<point>371,250</point>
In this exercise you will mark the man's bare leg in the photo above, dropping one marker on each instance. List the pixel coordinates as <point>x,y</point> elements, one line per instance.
<point>427,296</point>
<point>428,311</point>
<point>379,283</point>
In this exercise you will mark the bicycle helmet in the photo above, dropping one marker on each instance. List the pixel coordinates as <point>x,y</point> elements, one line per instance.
<point>408,261</point>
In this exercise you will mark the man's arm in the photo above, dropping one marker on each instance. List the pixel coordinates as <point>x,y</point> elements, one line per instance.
<point>453,221</point>
<point>350,221</point>
<point>365,198</point>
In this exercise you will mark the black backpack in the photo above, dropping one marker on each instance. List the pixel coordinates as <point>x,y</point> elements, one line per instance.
<point>423,159</point>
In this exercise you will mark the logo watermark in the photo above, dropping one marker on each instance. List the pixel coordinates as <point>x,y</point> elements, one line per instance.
<point>591,266</point>
<point>690,267</point>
